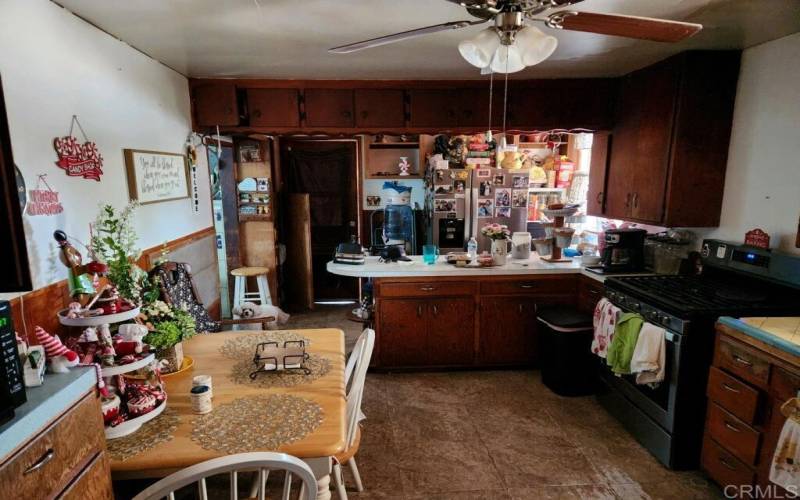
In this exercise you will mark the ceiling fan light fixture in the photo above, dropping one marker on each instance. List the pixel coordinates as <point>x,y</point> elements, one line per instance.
<point>534,45</point>
<point>507,59</point>
<point>479,50</point>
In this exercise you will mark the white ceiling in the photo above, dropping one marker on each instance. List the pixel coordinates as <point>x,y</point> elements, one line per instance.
<point>289,38</point>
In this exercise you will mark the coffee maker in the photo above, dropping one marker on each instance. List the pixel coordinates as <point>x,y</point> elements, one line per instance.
<point>623,252</point>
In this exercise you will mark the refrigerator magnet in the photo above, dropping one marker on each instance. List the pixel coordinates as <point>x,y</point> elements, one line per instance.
<point>519,198</point>
<point>485,208</point>
<point>443,189</point>
<point>460,186</point>
<point>444,205</point>
<point>519,182</point>
<point>503,212</point>
<point>499,180</point>
<point>502,197</point>
<point>483,173</point>
<point>485,188</point>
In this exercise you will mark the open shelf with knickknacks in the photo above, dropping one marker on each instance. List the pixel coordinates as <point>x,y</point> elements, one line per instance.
<point>393,158</point>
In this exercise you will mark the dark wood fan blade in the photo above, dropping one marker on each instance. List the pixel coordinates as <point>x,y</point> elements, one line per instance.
<point>405,35</point>
<point>645,28</point>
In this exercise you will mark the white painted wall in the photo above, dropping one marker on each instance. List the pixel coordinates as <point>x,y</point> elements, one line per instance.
<point>762,184</point>
<point>54,65</point>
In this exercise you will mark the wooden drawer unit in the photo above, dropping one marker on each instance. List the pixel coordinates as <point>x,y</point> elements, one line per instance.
<point>46,465</point>
<point>427,288</point>
<point>724,467</point>
<point>733,434</point>
<point>742,361</point>
<point>733,395</point>
<point>92,483</point>
<point>533,285</point>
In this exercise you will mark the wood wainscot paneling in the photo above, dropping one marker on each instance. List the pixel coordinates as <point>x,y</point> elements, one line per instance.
<point>39,307</point>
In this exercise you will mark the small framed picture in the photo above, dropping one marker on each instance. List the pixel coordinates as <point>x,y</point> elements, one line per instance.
<point>485,188</point>
<point>502,197</point>
<point>499,180</point>
<point>519,181</point>
<point>250,152</point>
<point>459,186</point>
<point>443,189</point>
<point>373,201</point>
<point>503,212</point>
<point>262,184</point>
<point>519,198</point>
<point>440,177</point>
<point>486,208</point>
<point>444,205</point>
<point>483,173</point>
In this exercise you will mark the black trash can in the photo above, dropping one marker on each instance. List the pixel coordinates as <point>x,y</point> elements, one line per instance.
<point>567,363</point>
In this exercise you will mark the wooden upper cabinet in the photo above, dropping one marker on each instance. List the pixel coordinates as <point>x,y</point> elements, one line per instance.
<point>329,108</point>
<point>380,108</point>
<point>433,107</point>
<point>273,107</point>
<point>215,104</point>
<point>473,108</point>
<point>562,103</point>
<point>598,166</point>
<point>668,151</point>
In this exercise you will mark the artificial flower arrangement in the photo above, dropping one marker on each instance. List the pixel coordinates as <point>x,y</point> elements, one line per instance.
<point>496,231</point>
<point>168,326</point>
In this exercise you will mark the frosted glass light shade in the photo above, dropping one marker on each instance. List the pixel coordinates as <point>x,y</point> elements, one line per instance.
<point>478,51</point>
<point>507,59</point>
<point>534,45</point>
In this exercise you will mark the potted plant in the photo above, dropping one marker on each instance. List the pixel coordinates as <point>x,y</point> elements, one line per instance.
<point>499,234</point>
<point>169,326</point>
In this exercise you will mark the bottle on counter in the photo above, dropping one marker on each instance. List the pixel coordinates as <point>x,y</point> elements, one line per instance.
<point>472,249</point>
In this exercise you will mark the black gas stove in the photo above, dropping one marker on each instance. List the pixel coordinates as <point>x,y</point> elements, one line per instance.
<point>736,281</point>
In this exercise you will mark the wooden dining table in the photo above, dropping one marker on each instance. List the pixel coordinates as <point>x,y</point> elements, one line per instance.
<point>316,449</point>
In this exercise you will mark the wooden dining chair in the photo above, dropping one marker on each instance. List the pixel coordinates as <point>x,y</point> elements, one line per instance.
<point>262,462</point>
<point>355,374</point>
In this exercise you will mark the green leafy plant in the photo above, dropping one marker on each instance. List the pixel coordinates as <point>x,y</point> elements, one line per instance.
<point>171,325</point>
<point>114,243</point>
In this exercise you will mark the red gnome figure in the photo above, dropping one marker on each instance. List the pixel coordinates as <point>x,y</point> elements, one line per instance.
<point>60,358</point>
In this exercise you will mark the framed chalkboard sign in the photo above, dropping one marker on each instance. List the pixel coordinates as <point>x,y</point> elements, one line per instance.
<point>155,176</point>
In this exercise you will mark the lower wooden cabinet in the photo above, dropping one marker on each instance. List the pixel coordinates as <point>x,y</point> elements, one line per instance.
<point>465,321</point>
<point>56,462</point>
<point>590,291</point>
<point>507,330</point>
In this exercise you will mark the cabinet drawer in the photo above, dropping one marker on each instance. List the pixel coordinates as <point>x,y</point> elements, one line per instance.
<point>93,482</point>
<point>742,361</point>
<point>529,286</point>
<point>733,434</point>
<point>47,464</point>
<point>722,466</point>
<point>427,289</point>
<point>733,395</point>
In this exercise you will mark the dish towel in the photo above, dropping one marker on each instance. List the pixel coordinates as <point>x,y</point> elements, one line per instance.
<point>785,468</point>
<point>648,358</point>
<point>604,321</point>
<point>622,345</point>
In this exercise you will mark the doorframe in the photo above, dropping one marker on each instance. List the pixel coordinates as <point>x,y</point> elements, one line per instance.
<point>358,141</point>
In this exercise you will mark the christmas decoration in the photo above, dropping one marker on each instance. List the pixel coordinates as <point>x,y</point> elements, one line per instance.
<point>757,238</point>
<point>78,160</point>
<point>58,355</point>
<point>44,201</point>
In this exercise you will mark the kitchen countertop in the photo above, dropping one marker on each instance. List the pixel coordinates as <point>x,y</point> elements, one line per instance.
<point>780,332</point>
<point>372,268</point>
<point>45,403</point>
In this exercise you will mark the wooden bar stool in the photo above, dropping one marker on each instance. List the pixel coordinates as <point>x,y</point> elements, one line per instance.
<point>240,293</point>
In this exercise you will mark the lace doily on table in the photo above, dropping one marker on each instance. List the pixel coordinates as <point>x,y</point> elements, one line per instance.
<point>258,423</point>
<point>159,430</point>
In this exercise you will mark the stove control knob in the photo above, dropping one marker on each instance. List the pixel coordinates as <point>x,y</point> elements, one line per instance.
<point>665,319</point>
<point>636,306</point>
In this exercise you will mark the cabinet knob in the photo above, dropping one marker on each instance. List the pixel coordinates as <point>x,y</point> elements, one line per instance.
<point>600,198</point>
<point>427,288</point>
<point>364,114</point>
<point>435,310</point>
<point>346,114</point>
<point>419,311</point>
<point>257,113</point>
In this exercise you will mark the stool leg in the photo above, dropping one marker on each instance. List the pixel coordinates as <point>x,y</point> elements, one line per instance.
<point>263,289</point>
<point>237,291</point>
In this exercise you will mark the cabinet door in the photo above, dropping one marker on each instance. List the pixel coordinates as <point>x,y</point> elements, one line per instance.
<point>451,331</point>
<point>329,108</point>
<point>402,332</point>
<point>658,91</point>
<point>433,108</point>
<point>623,152</point>
<point>507,330</point>
<point>473,108</point>
<point>216,105</point>
<point>93,482</point>
<point>596,194</point>
<point>380,108</point>
<point>273,107</point>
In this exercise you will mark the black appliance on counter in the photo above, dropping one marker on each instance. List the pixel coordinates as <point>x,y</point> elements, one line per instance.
<point>12,385</point>
<point>736,281</point>
<point>623,252</point>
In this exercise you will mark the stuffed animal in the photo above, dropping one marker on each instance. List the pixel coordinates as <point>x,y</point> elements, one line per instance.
<point>250,310</point>
<point>59,357</point>
<point>107,354</point>
<point>129,339</point>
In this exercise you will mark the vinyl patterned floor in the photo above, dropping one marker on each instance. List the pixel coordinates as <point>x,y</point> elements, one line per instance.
<point>496,435</point>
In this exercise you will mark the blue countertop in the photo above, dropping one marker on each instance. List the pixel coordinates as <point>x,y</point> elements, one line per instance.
<point>779,337</point>
<point>45,403</point>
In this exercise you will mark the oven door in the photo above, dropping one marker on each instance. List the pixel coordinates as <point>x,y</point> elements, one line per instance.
<point>658,402</point>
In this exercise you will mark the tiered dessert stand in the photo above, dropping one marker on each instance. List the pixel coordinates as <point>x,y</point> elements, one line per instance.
<point>132,425</point>
<point>558,216</point>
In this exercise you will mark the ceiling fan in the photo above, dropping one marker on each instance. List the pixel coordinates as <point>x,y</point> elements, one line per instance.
<point>509,17</point>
